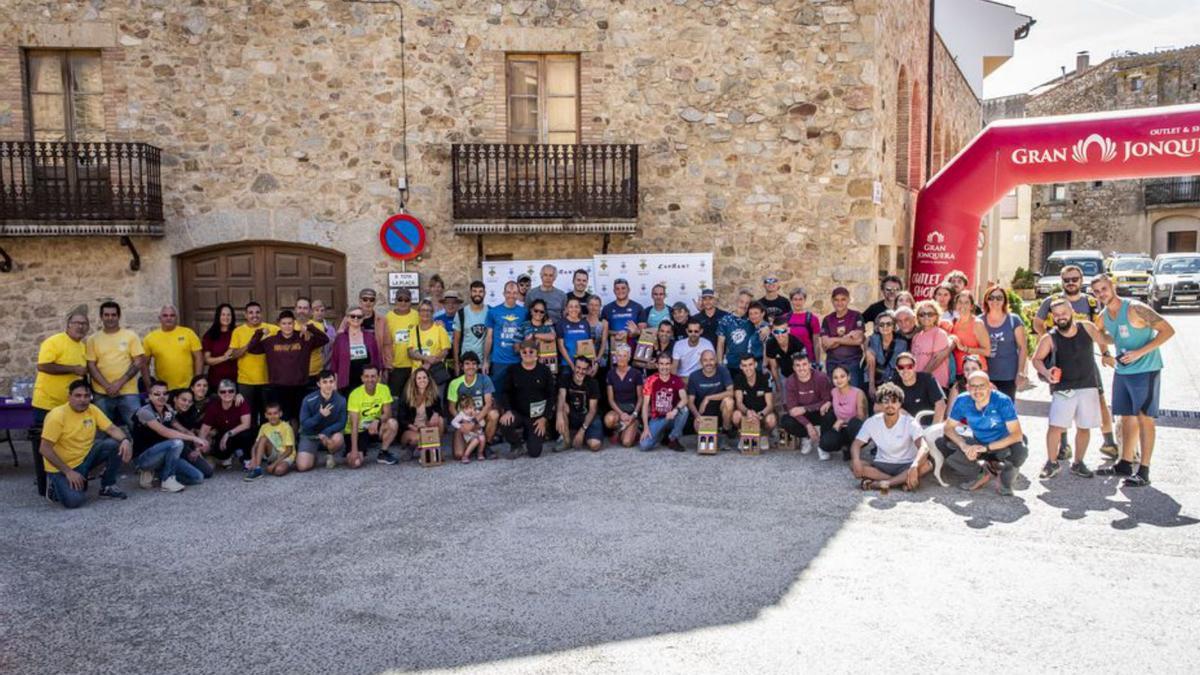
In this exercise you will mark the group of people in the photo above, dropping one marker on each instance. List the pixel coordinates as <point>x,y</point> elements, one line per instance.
<point>889,389</point>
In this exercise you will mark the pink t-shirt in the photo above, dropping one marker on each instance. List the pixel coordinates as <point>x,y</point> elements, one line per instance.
<point>845,406</point>
<point>925,345</point>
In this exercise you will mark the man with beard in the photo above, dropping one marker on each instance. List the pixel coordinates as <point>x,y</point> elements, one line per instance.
<point>1074,385</point>
<point>470,325</point>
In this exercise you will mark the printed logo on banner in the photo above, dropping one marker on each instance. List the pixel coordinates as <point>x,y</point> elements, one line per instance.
<point>1108,149</point>
<point>935,237</point>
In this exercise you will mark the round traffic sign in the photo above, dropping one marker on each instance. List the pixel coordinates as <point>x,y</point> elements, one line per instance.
<point>402,236</point>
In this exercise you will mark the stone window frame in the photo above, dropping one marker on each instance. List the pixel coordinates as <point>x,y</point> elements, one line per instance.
<point>66,59</point>
<point>543,97</point>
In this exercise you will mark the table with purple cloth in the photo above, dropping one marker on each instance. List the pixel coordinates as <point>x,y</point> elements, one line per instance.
<point>14,415</point>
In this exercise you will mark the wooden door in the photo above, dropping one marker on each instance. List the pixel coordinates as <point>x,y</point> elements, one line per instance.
<point>273,274</point>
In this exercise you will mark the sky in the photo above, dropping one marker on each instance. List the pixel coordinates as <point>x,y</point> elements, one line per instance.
<point>1101,27</point>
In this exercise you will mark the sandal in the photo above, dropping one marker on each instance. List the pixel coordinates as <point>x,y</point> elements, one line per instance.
<point>866,485</point>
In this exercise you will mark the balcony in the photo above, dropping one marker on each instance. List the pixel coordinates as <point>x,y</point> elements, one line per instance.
<point>66,188</point>
<point>1164,191</point>
<point>519,189</point>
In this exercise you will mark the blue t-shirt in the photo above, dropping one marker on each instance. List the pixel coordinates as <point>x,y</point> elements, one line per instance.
<point>475,330</point>
<point>741,337</point>
<point>571,332</point>
<point>505,324</point>
<point>447,321</point>
<point>989,424</point>
<point>652,317</point>
<point>617,316</point>
<point>701,385</point>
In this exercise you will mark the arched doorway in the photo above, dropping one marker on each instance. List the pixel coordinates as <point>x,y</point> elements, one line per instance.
<point>273,273</point>
<point>1176,234</point>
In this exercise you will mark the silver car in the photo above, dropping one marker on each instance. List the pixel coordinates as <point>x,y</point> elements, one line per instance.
<point>1175,281</point>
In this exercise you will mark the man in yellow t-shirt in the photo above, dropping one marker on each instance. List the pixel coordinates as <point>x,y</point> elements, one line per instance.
<point>369,414</point>
<point>400,323</point>
<point>70,450</point>
<point>174,350</point>
<point>252,368</point>
<point>115,357</point>
<point>62,359</point>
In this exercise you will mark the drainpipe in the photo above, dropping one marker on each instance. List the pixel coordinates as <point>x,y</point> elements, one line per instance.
<point>929,95</point>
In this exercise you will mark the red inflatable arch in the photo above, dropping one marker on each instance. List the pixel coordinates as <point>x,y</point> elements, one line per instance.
<point>1140,143</point>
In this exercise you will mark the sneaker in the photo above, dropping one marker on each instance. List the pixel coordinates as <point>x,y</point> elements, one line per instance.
<point>146,479</point>
<point>806,446</point>
<point>1064,452</point>
<point>1136,480</point>
<point>173,485</point>
<point>1080,469</point>
<point>514,451</point>
<point>227,463</point>
<point>675,445</point>
<point>1050,470</point>
<point>980,481</point>
<point>53,496</point>
<point>386,457</point>
<point>110,492</point>
<point>330,462</point>
<point>1110,450</point>
<point>822,455</point>
<point>1118,469</point>
<point>845,454</point>
<point>253,474</point>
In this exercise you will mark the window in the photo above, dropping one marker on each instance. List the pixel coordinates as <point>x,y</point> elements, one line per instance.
<point>66,95</point>
<point>543,98</point>
<point>1181,242</point>
<point>902,111</point>
<point>1135,84</point>
<point>1055,241</point>
<point>885,258</point>
<point>1058,192</point>
<point>901,258</point>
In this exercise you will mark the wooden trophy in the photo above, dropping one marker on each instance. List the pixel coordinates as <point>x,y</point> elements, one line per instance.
<point>586,348</point>
<point>788,441</point>
<point>707,429</point>
<point>748,441</point>
<point>548,355</point>
<point>644,351</point>
<point>430,447</point>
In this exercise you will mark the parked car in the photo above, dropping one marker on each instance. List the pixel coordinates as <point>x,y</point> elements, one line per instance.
<point>1175,281</point>
<point>1091,262</point>
<point>1131,274</point>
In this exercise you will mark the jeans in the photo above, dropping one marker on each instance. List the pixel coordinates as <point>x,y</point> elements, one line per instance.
<point>1012,457</point>
<point>833,440</point>
<point>192,471</point>
<point>521,431</point>
<point>163,454</point>
<point>119,409</point>
<point>799,429</point>
<point>658,424</point>
<point>104,450</point>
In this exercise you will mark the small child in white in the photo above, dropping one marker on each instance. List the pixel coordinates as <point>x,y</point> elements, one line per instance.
<point>467,423</point>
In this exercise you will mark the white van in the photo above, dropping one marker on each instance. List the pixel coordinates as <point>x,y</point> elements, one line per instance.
<point>1091,262</point>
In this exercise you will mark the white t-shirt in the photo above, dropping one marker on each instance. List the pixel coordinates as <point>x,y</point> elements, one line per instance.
<point>689,356</point>
<point>893,446</point>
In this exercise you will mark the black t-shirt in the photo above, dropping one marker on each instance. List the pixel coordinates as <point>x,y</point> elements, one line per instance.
<point>531,392</point>
<point>579,395</point>
<point>754,397</point>
<point>922,395</point>
<point>143,435</point>
<point>873,311</point>
<point>777,307</point>
<point>680,330</point>
<point>708,324</point>
<point>583,302</point>
<point>784,358</point>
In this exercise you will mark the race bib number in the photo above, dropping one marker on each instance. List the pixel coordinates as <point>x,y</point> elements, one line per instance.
<point>402,336</point>
<point>537,408</point>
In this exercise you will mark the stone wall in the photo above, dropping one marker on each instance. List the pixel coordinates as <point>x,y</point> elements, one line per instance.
<point>763,126</point>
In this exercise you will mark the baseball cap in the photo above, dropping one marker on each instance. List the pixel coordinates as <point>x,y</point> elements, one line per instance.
<point>708,292</point>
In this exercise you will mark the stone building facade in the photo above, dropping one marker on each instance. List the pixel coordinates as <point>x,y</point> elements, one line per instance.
<point>783,135</point>
<point>1148,215</point>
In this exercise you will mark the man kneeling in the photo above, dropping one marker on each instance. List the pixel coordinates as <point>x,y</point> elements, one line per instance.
<point>901,454</point>
<point>996,446</point>
<point>71,450</point>
<point>322,419</point>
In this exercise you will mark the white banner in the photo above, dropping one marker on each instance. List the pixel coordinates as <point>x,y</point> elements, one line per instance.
<point>684,274</point>
<point>499,272</point>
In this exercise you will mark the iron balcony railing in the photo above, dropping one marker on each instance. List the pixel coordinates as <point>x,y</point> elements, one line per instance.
<point>1181,190</point>
<point>75,182</point>
<point>562,182</point>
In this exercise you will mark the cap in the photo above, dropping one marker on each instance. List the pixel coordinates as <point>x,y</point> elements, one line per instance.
<point>451,295</point>
<point>523,277</point>
<point>403,294</point>
<point>708,293</point>
<point>840,290</point>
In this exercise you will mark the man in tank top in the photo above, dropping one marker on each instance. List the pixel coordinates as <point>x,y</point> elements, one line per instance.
<point>1138,332</point>
<point>1074,385</point>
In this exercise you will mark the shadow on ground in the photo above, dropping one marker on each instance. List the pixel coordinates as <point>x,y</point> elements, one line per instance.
<point>404,567</point>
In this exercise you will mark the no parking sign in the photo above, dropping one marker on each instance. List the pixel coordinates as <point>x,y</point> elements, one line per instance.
<point>402,236</point>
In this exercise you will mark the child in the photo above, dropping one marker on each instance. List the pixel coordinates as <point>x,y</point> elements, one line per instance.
<point>276,443</point>
<point>467,425</point>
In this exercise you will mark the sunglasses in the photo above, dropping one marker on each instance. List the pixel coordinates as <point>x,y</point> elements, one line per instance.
<point>770,280</point>
<point>401,300</point>
<point>995,298</point>
<point>537,311</point>
<point>905,366</point>
<point>1072,280</point>
<point>926,314</point>
<point>228,391</point>
<point>356,317</point>
<point>694,332</point>
<point>779,332</point>
<point>366,299</point>
<point>886,324</point>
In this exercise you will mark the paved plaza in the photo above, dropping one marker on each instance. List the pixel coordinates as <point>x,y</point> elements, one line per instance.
<point>617,561</point>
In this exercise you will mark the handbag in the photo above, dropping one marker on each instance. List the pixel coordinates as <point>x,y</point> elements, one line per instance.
<point>438,371</point>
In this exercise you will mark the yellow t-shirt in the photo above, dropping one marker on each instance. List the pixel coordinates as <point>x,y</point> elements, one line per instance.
<point>399,328</point>
<point>72,433</point>
<point>316,361</point>
<point>280,437</point>
<point>50,391</point>
<point>172,354</point>
<point>113,354</point>
<point>368,406</point>
<point>433,340</point>
<point>252,368</point>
